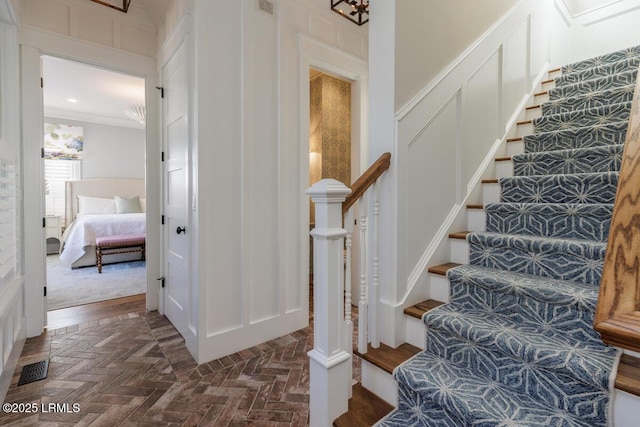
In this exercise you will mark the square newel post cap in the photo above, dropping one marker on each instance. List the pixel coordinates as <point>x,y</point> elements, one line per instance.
<point>328,190</point>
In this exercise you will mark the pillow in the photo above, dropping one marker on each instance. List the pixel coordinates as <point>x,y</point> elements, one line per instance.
<point>95,205</point>
<point>128,205</point>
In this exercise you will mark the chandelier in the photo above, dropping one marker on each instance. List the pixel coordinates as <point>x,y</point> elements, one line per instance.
<point>356,11</point>
<point>137,113</point>
<point>121,5</point>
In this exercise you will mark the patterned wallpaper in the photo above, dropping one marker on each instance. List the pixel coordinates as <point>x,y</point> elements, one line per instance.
<point>329,130</point>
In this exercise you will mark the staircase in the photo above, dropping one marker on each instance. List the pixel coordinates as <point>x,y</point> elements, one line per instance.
<point>515,344</point>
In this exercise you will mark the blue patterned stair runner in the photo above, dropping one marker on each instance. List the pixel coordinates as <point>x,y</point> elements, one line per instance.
<point>515,345</point>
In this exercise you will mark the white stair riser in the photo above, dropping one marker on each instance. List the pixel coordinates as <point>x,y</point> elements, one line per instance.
<point>504,168</point>
<point>541,99</point>
<point>459,251</point>
<point>490,193</point>
<point>515,147</point>
<point>476,220</point>
<point>525,129</point>
<point>547,86</point>
<point>379,382</point>
<point>533,113</point>
<point>416,333</point>
<point>439,287</point>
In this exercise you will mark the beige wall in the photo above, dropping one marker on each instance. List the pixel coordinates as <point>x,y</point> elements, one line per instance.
<point>430,34</point>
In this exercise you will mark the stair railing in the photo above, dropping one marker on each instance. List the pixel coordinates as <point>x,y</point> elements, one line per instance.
<point>617,316</point>
<point>330,360</point>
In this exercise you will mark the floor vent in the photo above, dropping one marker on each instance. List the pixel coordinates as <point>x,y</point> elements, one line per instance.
<point>34,372</point>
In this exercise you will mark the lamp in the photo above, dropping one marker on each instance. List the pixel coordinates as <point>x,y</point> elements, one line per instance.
<point>353,10</point>
<point>121,5</point>
<point>136,112</point>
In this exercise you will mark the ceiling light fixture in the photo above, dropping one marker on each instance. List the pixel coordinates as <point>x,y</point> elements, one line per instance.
<point>72,100</point>
<point>121,5</point>
<point>353,10</point>
<point>136,112</point>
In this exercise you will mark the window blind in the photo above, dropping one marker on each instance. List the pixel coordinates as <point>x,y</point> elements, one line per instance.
<point>7,218</point>
<point>56,172</point>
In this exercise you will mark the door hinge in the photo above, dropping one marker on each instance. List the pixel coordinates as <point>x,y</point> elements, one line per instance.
<point>41,82</point>
<point>162,220</point>
<point>44,222</point>
<point>162,281</point>
<point>45,291</point>
<point>161,89</point>
<point>162,156</point>
<point>42,152</point>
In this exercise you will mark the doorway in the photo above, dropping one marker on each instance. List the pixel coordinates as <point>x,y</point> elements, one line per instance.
<point>334,149</point>
<point>94,162</point>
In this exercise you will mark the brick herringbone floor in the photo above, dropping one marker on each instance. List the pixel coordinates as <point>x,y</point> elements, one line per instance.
<point>135,370</point>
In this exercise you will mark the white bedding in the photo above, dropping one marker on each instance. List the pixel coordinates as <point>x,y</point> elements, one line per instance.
<point>84,230</point>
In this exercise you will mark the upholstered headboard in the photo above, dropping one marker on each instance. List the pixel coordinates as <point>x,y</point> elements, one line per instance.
<point>103,188</point>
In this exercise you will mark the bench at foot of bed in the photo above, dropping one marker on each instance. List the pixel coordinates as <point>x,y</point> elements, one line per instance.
<point>120,244</point>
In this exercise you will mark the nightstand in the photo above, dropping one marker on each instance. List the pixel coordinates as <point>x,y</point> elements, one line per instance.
<point>53,231</point>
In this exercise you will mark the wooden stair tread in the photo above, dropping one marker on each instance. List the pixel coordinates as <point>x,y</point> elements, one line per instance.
<point>533,107</point>
<point>525,122</point>
<point>365,409</point>
<point>628,378</point>
<point>503,159</point>
<point>517,139</point>
<point>442,268</point>
<point>475,206</point>
<point>418,310</point>
<point>388,358</point>
<point>545,92</point>
<point>548,81</point>
<point>554,70</point>
<point>490,181</point>
<point>462,235</point>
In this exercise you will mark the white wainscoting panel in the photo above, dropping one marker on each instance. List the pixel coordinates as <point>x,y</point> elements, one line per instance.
<point>481,118</point>
<point>433,176</point>
<point>516,69</point>
<point>492,79</point>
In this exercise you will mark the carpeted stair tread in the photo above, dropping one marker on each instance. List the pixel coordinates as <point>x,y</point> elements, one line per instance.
<point>575,188</point>
<point>471,399</point>
<point>600,60</point>
<point>560,220</point>
<point>572,161</point>
<point>565,259</point>
<point>592,100</point>
<point>533,344</point>
<point>569,305</point>
<point>598,84</point>
<point>583,137</point>
<point>590,117</point>
<point>414,410</point>
<point>598,72</point>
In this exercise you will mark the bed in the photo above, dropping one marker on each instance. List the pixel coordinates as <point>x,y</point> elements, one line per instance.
<point>90,212</point>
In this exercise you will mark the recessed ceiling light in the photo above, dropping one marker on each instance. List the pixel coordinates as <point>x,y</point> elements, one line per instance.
<point>72,100</point>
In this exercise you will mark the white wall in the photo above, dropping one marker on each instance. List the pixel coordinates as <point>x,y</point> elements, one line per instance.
<point>432,33</point>
<point>110,151</point>
<point>580,32</point>
<point>443,140</point>
<point>12,290</point>
<point>253,246</point>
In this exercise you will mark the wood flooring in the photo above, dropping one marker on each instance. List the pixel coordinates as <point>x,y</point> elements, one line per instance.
<point>95,311</point>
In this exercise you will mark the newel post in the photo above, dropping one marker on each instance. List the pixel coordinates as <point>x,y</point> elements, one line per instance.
<point>329,361</point>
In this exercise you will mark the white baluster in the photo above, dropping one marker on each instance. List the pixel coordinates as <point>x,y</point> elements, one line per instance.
<point>362,303</point>
<point>374,289</point>
<point>348,323</point>
<point>329,363</point>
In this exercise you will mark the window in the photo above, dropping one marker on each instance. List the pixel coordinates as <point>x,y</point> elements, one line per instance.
<point>56,172</point>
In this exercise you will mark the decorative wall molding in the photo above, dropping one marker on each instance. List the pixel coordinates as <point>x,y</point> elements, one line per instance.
<point>608,10</point>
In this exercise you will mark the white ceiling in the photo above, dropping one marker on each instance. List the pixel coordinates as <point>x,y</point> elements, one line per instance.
<point>102,96</point>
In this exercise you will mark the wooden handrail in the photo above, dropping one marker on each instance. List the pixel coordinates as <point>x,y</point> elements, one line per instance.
<point>366,180</point>
<point>617,316</point>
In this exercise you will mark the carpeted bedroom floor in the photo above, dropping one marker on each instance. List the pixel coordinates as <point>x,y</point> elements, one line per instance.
<point>67,287</point>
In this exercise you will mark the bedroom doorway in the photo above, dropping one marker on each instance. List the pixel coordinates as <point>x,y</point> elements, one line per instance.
<point>94,174</point>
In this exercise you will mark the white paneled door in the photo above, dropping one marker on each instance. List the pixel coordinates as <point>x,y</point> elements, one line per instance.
<point>176,190</point>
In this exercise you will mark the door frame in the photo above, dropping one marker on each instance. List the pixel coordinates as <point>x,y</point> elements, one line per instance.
<point>33,44</point>
<point>344,65</point>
